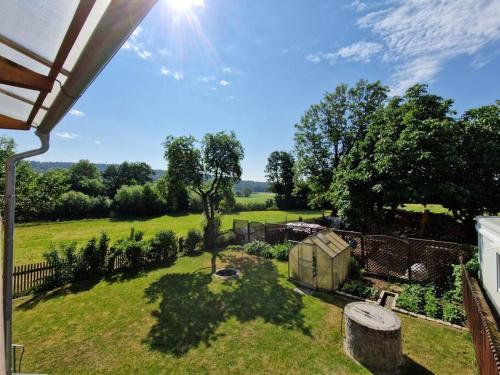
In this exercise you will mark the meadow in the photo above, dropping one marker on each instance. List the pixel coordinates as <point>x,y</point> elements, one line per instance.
<point>260,198</point>
<point>33,239</point>
<point>182,320</point>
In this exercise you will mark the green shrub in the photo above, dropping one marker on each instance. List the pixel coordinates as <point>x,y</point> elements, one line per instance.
<point>457,295</point>
<point>73,205</point>
<point>93,256</point>
<point>100,206</point>
<point>72,262</point>
<point>281,251</point>
<point>412,298</point>
<point>472,266</point>
<point>133,248</point>
<point>359,288</point>
<point>193,238</point>
<point>225,239</point>
<point>356,271</point>
<point>258,248</point>
<point>163,246</point>
<point>432,307</point>
<point>453,313</point>
<point>53,258</point>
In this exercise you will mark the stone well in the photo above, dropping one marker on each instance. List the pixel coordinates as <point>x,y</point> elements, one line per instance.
<point>373,337</point>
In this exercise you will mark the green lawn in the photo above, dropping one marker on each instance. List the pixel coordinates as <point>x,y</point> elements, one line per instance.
<point>434,208</point>
<point>180,320</point>
<point>255,198</point>
<point>32,240</point>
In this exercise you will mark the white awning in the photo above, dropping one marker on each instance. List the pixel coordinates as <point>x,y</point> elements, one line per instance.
<point>50,51</point>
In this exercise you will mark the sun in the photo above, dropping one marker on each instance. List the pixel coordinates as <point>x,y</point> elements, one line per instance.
<point>185,6</point>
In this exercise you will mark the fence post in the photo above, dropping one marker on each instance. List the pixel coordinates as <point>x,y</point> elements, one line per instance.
<point>363,260</point>
<point>409,261</point>
<point>265,232</point>
<point>248,231</point>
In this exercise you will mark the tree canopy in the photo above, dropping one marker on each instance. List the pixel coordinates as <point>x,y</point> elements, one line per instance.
<point>208,170</point>
<point>328,130</point>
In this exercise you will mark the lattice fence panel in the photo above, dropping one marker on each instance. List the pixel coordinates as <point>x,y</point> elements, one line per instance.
<point>240,229</point>
<point>257,231</point>
<point>433,260</point>
<point>275,233</point>
<point>386,256</point>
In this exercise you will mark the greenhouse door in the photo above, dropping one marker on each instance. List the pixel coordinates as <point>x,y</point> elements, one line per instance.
<point>307,265</point>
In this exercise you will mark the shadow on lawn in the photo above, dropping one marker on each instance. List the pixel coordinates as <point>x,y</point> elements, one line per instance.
<point>190,311</point>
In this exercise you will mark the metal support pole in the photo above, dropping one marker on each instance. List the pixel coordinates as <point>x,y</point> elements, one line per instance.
<point>8,240</point>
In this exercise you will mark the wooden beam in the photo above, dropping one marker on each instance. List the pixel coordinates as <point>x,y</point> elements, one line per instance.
<point>20,98</point>
<point>13,74</point>
<point>7,122</point>
<point>81,14</point>
<point>32,55</point>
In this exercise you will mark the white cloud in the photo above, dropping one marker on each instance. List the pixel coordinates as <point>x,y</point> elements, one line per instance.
<point>314,58</point>
<point>420,36</point>
<point>67,135</point>
<point>359,52</point>
<point>178,76</point>
<point>207,79</point>
<point>97,142</point>
<point>227,70</point>
<point>223,83</point>
<point>76,112</point>
<point>134,44</point>
<point>357,5</point>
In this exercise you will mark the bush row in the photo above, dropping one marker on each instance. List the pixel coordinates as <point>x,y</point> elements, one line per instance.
<point>96,258</point>
<point>129,200</point>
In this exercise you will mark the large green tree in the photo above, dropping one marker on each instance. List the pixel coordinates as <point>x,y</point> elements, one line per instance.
<point>406,156</point>
<point>328,131</point>
<point>126,173</point>
<point>85,177</point>
<point>477,175</point>
<point>280,175</point>
<point>208,171</point>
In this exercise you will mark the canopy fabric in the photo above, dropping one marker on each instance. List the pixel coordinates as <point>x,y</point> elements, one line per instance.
<point>41,44</point>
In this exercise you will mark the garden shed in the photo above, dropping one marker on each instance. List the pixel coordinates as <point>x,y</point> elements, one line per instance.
<point>321,261</point>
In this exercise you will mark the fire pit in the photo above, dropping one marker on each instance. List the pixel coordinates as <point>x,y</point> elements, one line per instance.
<point>227,273</point>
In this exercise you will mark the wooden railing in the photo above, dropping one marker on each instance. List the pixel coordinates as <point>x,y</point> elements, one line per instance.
<point>479,319</point>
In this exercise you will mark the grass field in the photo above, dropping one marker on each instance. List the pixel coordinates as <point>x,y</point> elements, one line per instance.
<point>32,240</point>
<point>179,320</point>
<point>255,198</point>
<point>434,208</point>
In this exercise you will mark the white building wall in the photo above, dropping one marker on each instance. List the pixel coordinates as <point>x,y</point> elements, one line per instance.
<point>488,229</point>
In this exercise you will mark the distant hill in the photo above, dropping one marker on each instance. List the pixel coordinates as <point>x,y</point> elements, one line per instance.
<point>43,166</point>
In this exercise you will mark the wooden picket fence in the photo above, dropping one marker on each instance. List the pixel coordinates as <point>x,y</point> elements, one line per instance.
<point>29,276</point>
<point>482,326</point>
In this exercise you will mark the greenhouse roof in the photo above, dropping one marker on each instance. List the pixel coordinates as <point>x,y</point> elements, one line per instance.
<point>328,241</point>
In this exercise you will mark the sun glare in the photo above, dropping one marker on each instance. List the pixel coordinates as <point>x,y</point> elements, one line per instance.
<point>183,6</point>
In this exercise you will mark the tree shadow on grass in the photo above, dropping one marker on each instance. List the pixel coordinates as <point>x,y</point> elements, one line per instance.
<point>190,311</point>
<point>64,290</point>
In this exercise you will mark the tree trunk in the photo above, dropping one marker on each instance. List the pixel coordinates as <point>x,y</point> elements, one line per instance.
<point>210,232</point>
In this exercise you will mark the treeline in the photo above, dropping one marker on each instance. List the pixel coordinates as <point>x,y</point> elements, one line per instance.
<point>363,155</point>
<point>83,191</point>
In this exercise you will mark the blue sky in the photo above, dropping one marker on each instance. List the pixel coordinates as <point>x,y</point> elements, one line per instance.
<point>254,66</point>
